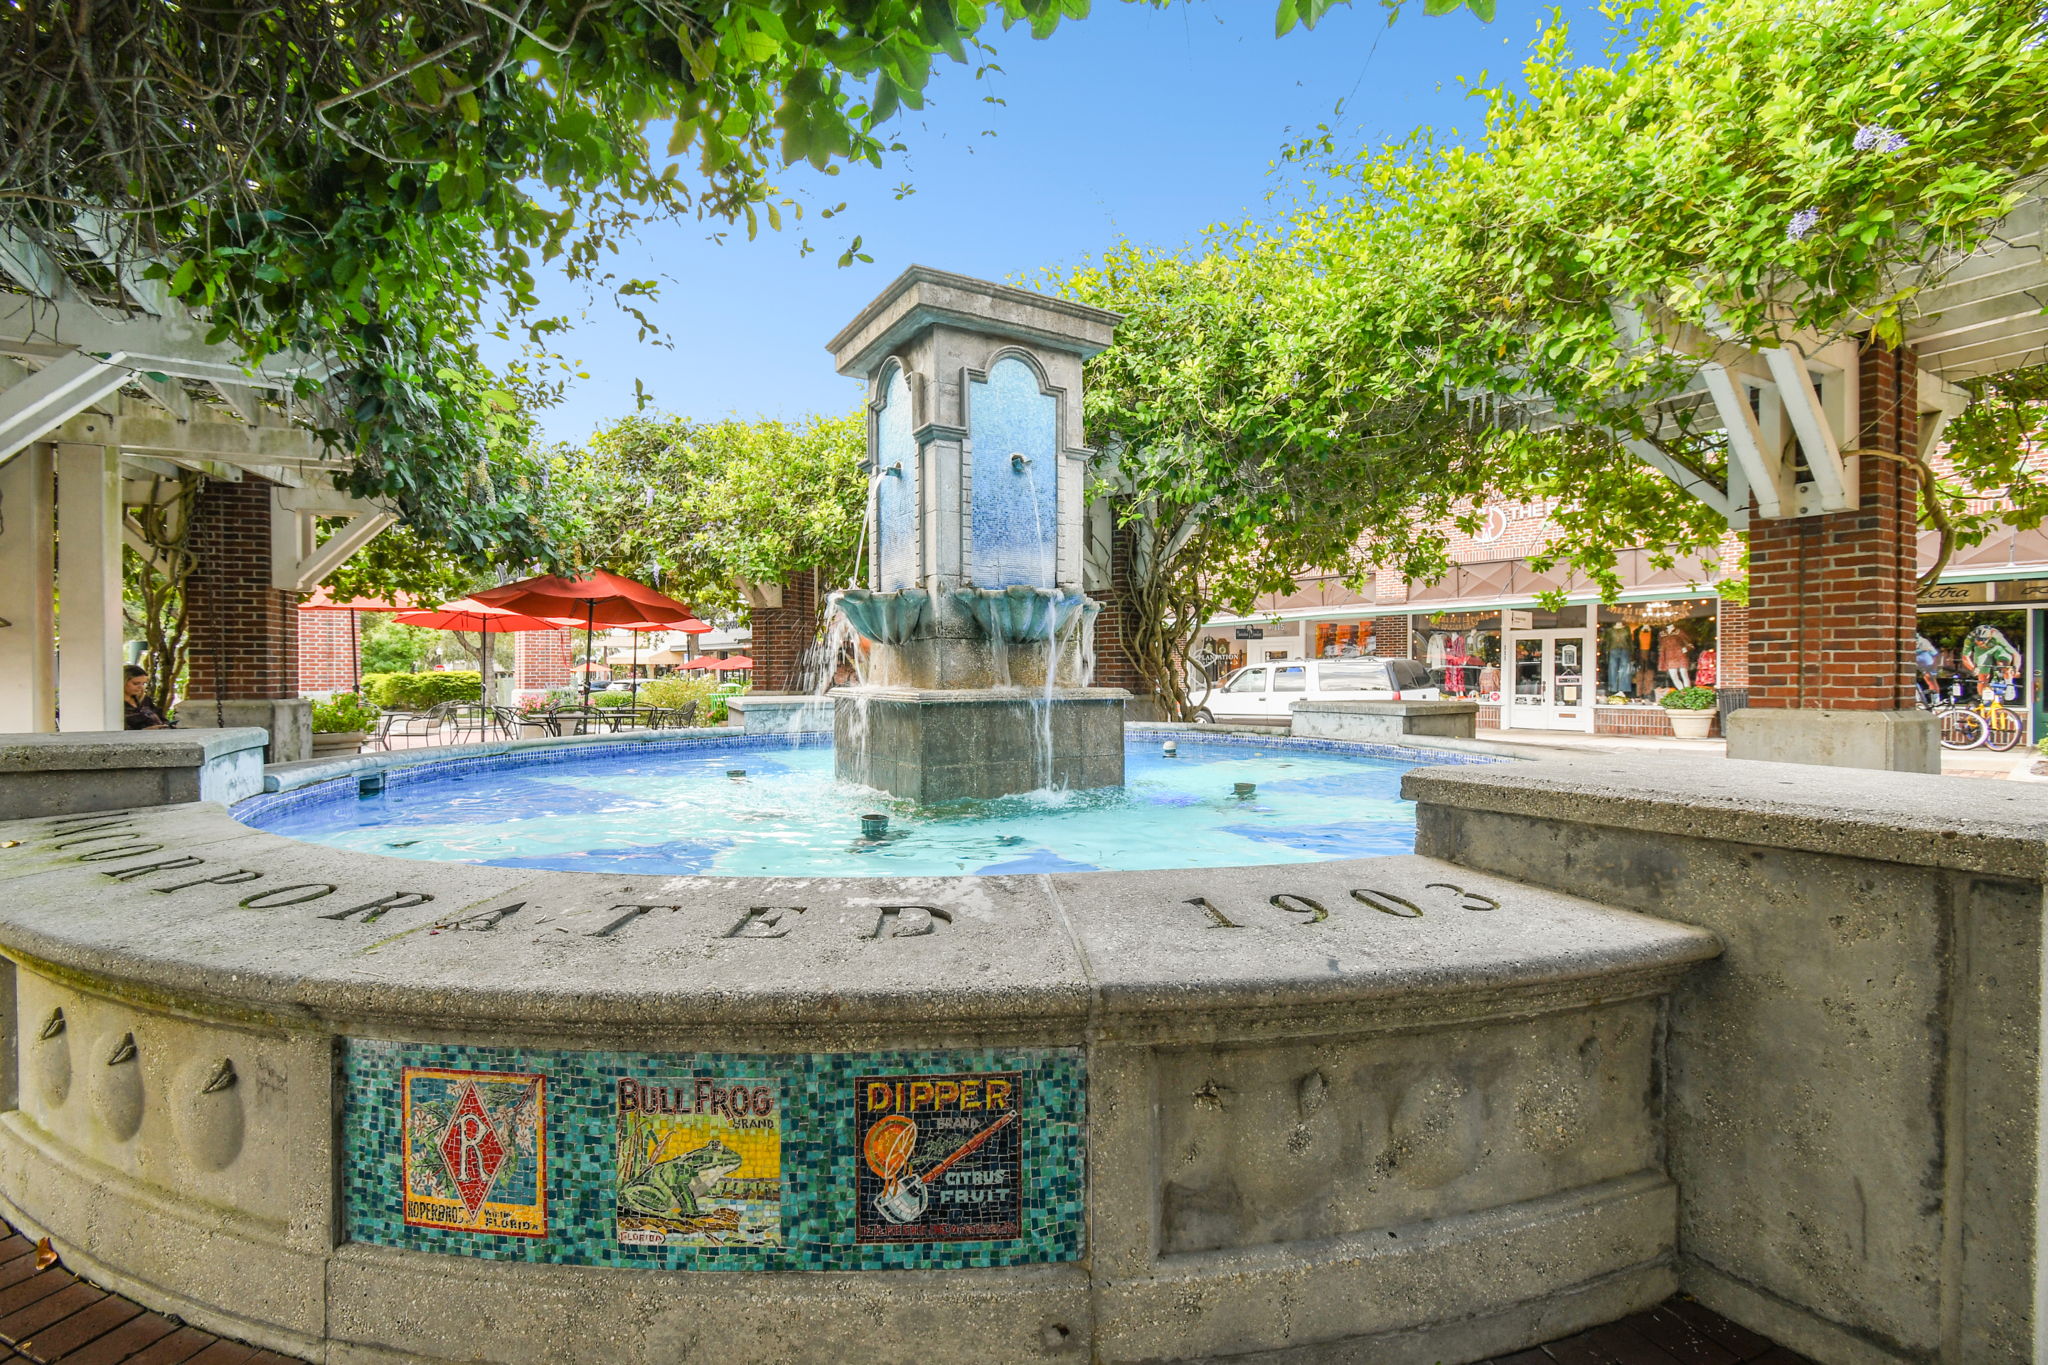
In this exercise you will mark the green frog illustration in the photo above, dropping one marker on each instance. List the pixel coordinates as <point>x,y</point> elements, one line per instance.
<point>672,1188</point>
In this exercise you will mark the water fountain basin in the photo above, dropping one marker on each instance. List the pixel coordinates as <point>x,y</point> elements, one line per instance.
<point>894,617</point>
<point>1020,614</point>
<point>228,1039</point>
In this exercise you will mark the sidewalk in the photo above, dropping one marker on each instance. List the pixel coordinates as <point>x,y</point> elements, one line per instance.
<point>2013,764</point>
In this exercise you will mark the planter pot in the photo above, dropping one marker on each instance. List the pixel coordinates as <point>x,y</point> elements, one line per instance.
<point>1691,724</point>
<point>336,744</point>
<point>533,729</point>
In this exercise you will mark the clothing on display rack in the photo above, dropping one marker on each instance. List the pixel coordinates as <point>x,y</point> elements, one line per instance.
<point>1707,669</point>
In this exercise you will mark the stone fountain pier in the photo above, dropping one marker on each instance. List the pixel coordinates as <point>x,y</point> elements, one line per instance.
<point>979,638</point>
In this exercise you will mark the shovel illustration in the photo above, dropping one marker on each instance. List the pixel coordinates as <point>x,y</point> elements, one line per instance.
<point>904,1198</point>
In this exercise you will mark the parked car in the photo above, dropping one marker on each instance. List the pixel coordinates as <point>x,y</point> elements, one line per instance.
<point>1268,691</point>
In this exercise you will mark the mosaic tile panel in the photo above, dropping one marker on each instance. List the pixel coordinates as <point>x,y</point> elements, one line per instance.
<point>719,1161</point>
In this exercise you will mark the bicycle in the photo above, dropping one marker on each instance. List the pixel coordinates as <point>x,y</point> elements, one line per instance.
<point>1961,726</point>
<point>2002,728</point>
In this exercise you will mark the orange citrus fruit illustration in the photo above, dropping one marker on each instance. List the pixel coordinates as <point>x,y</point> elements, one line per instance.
<point>889,1145</point>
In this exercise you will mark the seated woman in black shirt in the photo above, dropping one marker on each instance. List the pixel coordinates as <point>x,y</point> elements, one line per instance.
<point>142,712</point>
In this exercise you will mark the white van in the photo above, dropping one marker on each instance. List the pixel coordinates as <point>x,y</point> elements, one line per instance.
<point>1268,691</point>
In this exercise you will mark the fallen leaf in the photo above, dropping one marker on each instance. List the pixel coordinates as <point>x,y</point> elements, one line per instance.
<point>46,1255</point>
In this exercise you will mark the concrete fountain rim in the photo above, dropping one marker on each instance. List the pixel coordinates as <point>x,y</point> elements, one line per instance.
<point>184,903</point>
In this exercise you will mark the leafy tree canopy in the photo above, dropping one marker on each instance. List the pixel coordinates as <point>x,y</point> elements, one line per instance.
<point>1737,171</point>
<point>700,507</point>
<point>362,183</point>
<point>1440,323</point>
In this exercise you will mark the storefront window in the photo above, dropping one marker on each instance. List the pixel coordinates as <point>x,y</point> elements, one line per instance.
<point>1646,650</point>
<point>1965,654</point>
<point>1343,639</point>
<point>1461,651</point>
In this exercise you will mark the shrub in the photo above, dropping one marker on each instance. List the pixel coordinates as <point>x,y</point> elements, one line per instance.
<point>672,693</point>
<point>1690,699</point>
<point>376,688</point>
<point>611,701</point>
<point>343,714</point>
<point>453,685</point>
<point>418,691</point>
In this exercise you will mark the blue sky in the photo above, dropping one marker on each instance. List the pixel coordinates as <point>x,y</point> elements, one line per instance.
<point>1135,122</point>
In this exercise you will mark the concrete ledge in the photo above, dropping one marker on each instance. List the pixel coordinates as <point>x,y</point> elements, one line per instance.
<point>1904,818</point>
<point>93,770</point>
<point>1853,1090</point>
<point>288,721</point>
<point>1383,720</point>
<point>1899,741</point>
<point>770,714</point>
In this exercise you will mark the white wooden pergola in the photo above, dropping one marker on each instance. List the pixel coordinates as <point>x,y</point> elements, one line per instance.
<point>108,391</point>
<point>1791,412</point>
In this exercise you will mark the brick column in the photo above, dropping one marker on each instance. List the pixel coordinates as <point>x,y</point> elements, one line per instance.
<point>242,659</point>
<point>542,659</point>
<point>1114,664</point>
<point>1831,606</point>
<point>329,647</point>
<point>1731,647</point>
<point>783,635</point>
<point>1390,637</point>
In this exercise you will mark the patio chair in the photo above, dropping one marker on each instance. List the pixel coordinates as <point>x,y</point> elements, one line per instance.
<point>466,722</point>
<point>416,726</point>
<point>576,720</point>
<point>505,720</point>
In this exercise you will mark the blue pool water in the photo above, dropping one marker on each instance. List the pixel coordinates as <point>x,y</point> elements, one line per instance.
<point>674,811</point>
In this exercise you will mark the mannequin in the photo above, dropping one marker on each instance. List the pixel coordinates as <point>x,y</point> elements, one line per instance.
<point>1620,657</point>
<point>1673,657</point>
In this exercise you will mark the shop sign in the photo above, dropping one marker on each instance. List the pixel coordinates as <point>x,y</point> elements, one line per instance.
<point>1251,632</point>
<point>2024,590</point>
<point>1954,594</point>
<point>1520,620</point>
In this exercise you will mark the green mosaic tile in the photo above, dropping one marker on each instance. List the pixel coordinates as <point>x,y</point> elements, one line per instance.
<point>708,1189</point>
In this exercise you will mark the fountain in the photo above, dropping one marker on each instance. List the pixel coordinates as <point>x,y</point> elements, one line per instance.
<point>979,638</point>
<point>664,1046</point>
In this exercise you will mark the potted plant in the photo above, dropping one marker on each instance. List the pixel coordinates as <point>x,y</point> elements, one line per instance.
<point>1691,711</point>
<point>532,710</point>
<point>340,724</point>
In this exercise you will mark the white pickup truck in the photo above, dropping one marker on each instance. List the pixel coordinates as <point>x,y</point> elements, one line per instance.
<point>1267,692</point>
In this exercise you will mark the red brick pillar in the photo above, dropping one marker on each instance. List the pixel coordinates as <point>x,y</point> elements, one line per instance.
<point>783,635</point>
<point>1114,664</point>
<point>242,656</point>
<point>542,659</point>
<point>330,646</point>
<point>1390,637</point>
<point>1831,606</point>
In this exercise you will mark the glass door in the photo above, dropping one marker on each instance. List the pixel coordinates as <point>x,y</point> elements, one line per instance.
<point>1548,687</point>
<point>1570,655</point>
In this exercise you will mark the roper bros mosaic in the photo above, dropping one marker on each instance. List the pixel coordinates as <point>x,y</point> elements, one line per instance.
<point>475,1154</point>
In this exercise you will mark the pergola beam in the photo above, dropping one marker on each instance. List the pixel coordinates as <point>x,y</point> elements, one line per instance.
<point>1764,470</point>
<point>168,346</point>
<point>1816,434</point>
<point>53,395</point>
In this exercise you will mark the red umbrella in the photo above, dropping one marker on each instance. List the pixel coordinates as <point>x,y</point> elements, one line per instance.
<point>690,627</point>
<point>321,601</point>
<point>601,599</point>
<point>737,663</point>
<point>466,613</point>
